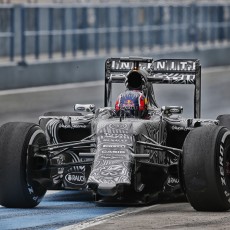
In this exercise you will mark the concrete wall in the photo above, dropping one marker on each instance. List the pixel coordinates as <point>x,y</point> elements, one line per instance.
<point>60,72</point>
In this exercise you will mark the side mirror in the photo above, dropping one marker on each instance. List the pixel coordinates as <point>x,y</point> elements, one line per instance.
<point>90,108</point>
<point>169,110</point>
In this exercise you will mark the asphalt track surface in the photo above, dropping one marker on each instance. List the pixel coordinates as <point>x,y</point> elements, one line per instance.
<point>76,210</point>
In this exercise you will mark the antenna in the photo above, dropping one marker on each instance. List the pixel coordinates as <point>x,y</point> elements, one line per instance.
<point>136,65</point>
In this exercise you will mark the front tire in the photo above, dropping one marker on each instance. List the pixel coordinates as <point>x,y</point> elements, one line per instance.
<point>17,187</point>
<point>206,168</point>
<point>44,121</point>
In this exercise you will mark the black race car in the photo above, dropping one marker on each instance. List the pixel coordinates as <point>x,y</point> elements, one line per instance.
<point>135,152</point>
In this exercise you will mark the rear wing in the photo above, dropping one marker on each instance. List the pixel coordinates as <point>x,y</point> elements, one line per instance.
<point>162,71</point>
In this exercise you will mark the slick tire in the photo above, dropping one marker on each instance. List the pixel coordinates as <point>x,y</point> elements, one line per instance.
<point>17,188</point>
<point>44,121</point>
<point>224,120</point>
<point>206,168</point>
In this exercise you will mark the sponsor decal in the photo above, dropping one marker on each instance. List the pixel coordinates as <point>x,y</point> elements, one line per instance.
<point>183,78</point>
<point>117,65</point>
<point>31,192</point>
<point>30,189</point>
<point>178,65</point>
<point>206,122</point>
<point>114,157</point>
<point>115,140</point>
<point>75,178</point>
<point>65,126</point>
<point>173,180</point>
<point>118,126</point>
<point>113,146</point>
<point>221,167</point>
<point>35,198</point>
<point>181,128</point>
<point>118,135</point>
<point>113,151</point>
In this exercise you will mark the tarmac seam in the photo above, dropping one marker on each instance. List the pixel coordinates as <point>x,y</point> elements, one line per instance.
<point>102,219</point>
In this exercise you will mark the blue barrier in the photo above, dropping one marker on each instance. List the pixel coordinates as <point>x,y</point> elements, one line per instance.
<point>8,31</point>
<point>74,30</point>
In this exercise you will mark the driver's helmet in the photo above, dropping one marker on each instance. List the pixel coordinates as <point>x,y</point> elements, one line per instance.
<point>132,103</point>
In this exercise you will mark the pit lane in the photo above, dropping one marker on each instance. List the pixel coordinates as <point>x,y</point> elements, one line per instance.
<point>58,209</point>
<point>62,209</point>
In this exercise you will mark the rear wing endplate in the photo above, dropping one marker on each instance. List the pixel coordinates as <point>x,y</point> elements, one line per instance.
<point>162,71</point>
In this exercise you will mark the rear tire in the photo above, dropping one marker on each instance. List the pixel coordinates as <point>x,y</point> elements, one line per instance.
<point>224,120</point>
<point>18,189</point>
<point>206,168</point>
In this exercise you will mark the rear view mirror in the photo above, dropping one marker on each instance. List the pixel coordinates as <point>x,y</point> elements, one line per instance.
<point>169,110</point>
<point>90,108</point>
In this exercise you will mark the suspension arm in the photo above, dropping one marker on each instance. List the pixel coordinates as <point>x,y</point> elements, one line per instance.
<point>65,145</point>
<point>64,165</point>
<point>158,146</point>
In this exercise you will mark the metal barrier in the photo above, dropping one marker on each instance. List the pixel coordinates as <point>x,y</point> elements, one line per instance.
<point>45,32</point>
<point>7,28</point>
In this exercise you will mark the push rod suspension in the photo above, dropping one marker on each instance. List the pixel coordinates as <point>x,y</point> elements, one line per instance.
<point>64,165</point>
<point>65,145</point>
<point>70,148</point>
<point>157,146</point>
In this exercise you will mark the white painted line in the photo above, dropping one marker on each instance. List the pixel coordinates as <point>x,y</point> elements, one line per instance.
<point>52,87</point>
<point>51,192</point>
<point>101,219</point>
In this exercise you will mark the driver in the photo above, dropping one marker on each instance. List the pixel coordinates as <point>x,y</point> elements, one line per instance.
<point>139,98</point>
<point>132,103</point>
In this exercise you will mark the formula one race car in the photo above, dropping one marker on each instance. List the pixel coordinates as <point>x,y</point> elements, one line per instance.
<point>133,152</point>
